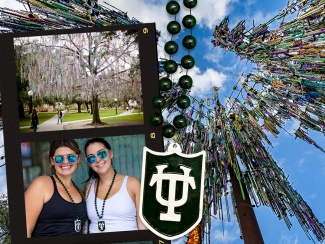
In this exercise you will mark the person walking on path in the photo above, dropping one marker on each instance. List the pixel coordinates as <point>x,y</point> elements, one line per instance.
<point>59,116</point>
<point>34,117</point>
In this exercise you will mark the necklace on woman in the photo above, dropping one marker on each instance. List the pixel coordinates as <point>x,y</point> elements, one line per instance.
<point>77,221</point>
<point>101,223</point>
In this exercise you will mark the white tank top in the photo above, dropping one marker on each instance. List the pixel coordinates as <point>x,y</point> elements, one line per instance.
<point>119,213</point>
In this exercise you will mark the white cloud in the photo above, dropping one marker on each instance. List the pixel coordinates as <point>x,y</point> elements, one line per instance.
<point>285,239</point>
<point>207,13</point>
<point>12,4</point>
<point>203,82</point>
<point>227,233</point>
<point>210,12</point>
<point>144,11</point>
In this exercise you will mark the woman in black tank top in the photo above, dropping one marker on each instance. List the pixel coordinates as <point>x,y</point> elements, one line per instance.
<point>54,205</point>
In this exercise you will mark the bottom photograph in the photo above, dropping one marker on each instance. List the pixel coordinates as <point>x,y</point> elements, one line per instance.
<point>83,186</point>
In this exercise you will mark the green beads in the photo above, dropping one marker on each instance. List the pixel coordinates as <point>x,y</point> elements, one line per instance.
<point>187,62</point>
<point>168,131</point>
<point>180,121</point>
<point>183,102</point>
<point>156,119</point>
<point>164,84</point>
<point>189,21</point>
<point>170,66</point>
<point>185,82</point>
<point>158,101</point>
<point>173,27</point>
<point>189,42</point>
<point>172,7</point>
<point>190,3</point>
<point>171,47</point>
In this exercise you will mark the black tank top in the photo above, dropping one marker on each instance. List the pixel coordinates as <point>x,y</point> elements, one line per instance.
<point>57,216</point>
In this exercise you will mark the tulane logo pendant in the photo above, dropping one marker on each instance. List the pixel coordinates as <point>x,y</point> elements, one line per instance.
<point>172,185</point>
<point>101,225</point>
<point>77,225</point>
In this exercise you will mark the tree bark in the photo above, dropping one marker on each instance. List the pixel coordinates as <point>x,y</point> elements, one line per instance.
<point>95,110</point>
<point>79,106</point>
<point>247,220</point>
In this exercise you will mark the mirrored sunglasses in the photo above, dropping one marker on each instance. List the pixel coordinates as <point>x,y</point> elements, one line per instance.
<point>91,158</point>
<point>59,159</point>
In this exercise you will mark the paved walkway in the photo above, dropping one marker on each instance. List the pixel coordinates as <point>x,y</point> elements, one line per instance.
<point>52,123</point>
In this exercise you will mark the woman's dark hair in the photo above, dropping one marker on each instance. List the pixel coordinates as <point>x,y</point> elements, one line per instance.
<point>72,144</point>
<point>34,111</point>
<point>91,173</point>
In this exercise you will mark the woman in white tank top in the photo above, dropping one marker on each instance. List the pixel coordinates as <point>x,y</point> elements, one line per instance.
<point>112,199</point>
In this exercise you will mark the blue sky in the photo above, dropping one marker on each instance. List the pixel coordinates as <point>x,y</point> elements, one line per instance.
<point>304,164</point>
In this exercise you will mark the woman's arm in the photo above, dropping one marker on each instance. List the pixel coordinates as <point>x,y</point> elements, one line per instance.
<point>133,186</point>
<point>35,196</point>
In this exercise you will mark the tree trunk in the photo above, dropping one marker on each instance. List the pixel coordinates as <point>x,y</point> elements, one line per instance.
<point>95,110</point>
<point>79,107</point>
<point>247,220</point>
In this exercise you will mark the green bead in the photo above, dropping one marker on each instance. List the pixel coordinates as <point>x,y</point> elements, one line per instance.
<point>168,131</point>
<point>189,42</point>
<point>159,101</point>
<point>190,3</point>
<point>172,7</point>
<point>187,62</point>
<point>170,66</point>
<point>171,47</point>
<point>180,121</point>
<point>173,27</point>
<point>156,119</point>
<point>183,101</point>
<point>164,84</point>
<point>185,82</point>
<point>189,21</point>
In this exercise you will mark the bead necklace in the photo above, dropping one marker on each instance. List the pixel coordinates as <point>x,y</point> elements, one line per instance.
<point>77,221</point>
<point>101,223</point>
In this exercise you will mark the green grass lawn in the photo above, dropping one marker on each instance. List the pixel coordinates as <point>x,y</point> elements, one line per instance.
<point>132,117</point>
<point>42,116</point>
<point>73,115</point>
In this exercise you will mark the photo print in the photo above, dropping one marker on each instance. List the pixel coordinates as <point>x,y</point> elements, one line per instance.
<point>79,80</point>
<point>111,84</point>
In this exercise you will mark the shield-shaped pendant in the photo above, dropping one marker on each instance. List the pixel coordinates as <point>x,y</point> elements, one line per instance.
<point>77,225</point>
<point>101,225</point>
<point>172,186</point>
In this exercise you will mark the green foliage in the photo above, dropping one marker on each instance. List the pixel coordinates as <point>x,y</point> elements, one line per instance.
<point>49,100</point>
<point>4,220</point>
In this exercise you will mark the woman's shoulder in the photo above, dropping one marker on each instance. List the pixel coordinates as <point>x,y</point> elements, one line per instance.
<point>133,183</point>
<point>41,184</point>
<point>42,180</point>
<point>132,179</point>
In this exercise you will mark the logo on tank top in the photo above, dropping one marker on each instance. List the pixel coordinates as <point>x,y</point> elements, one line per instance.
<point>172,185</point>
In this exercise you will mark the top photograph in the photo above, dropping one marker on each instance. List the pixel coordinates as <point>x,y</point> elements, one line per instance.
<point>78,81</point>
